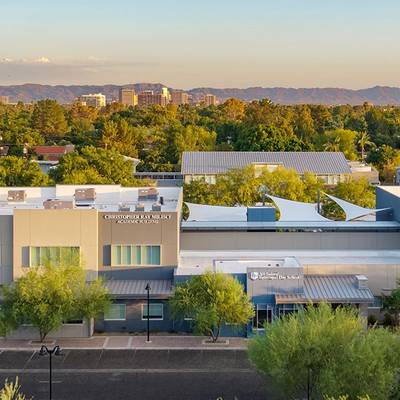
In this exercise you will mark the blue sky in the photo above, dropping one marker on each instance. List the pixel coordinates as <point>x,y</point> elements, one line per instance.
<point>187,43</point>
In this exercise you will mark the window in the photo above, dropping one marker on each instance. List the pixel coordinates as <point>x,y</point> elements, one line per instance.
<point>286,309</point>
<point>135,255</point>
<point>263,314</point>
<point>156,311</point>
<point>116,312</point>
<point>39,256</point>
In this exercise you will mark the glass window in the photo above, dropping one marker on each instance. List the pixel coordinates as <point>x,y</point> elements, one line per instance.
<point>156,311</point>
<point>263,314</point>
<point>286,309</point>
<point>39,256</point>
<point>126,255</point>
<point>116,312</point>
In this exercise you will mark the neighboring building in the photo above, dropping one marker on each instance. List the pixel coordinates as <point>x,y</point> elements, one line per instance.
<point>46,165</point>
<point>331,167</point>
<point>4,100</point>
<point>209,100</point>
<point>52,153</point>
<point>97,100</point>
<point>149,98</point>
<point>179,98</point>
<point>363,170</point>
<point>128,97</point>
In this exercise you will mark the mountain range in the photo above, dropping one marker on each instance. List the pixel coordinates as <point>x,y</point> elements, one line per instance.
<point>378,95</point>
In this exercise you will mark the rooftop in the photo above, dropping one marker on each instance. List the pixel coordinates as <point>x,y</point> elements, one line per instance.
<point>217,162</point>
<point>108,198</point>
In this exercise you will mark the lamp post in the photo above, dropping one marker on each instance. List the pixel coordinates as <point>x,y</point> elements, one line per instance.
<point>148,288</point>
<point>44,350</point>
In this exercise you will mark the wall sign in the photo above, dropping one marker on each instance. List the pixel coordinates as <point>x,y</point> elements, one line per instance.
<point>272,276</point>
<point>137,218</point>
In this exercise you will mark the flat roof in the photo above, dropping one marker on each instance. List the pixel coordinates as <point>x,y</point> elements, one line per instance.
<point>109,198</point>
<point>290,225</point>
<point>217,162</point>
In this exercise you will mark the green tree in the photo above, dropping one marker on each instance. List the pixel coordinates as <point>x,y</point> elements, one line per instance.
<point>363,141</point>
<point>329,352</point>
<point>391,304</point>
<point>49,119</point>
<point>17,171</point>
<point>358,192</point>
<point>96,166</point>
<point>340,140</point>
<point>50,295</point>
<point>212,300</point>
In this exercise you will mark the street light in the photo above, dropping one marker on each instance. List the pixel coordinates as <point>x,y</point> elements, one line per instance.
<point>44,350</point>
<point>148,288</point>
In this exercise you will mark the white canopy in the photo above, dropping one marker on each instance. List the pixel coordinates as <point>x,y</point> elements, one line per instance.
<point>353,211</point>
<point>296,210</point>
<point>202,212</point>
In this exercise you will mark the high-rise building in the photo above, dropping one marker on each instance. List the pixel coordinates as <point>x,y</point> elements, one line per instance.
<point>128,97</point>
<point>4,100</point>
<point>179,97</point>
<point>149,98</point>
<point>210,100</point>
<point>97,100</point>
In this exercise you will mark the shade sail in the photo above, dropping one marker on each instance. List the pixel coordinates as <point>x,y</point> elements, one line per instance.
<point>296,210</point>
<point>202,212</point>
<point>353,211</point>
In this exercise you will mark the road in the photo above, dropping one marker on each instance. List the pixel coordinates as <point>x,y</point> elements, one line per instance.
<point>138,374</point>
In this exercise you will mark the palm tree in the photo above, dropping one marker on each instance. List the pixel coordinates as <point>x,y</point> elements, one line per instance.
<point>333,145</point>
<point>364,140</point>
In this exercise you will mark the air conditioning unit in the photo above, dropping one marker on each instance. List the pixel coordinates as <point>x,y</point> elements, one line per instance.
<point>16,196</point>
<point>156,207</point>
<point>152,193</point>
<point>124,207</point>
<point>139,207</point>
<point>85,196</point>
<point>55,204</point>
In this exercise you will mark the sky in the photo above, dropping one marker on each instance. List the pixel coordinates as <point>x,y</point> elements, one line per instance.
<point>201,43</point>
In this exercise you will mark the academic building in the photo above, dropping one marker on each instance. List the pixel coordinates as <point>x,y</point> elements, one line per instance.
<point>136,236</point>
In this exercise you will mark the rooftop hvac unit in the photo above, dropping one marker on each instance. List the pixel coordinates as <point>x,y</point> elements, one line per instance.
<point>124,207</point>
<point>142,194</point>
<point>139,207</point>
<point>54,204</point>
<point>84,196</point>
<point>361,282</point>
<point>156,207</point>
<point>152,194</point>
<point>16,196</point>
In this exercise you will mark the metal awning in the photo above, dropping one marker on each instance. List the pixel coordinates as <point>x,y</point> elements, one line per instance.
<point>135,288</point>
<point>329,288</point>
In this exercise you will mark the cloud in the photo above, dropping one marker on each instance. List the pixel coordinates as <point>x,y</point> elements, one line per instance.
<point>42,60</point>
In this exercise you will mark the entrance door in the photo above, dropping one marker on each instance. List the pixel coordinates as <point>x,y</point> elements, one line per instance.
<point>264,314</point>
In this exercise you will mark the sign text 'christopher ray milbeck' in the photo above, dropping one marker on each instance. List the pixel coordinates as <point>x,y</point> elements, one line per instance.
<point>137,218</point>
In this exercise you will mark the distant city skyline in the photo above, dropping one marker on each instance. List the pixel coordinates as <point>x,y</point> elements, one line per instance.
<point>221,44</point>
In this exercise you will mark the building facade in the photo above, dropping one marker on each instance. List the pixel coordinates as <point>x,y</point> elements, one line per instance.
<point>134,237</point>
<point>179,98</point>
<point>128,97</point>
<point>4,100</point>
<point>97,100</point>
<point>149,98</point>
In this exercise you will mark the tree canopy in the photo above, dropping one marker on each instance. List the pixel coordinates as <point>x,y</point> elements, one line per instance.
<point>330,352</point>
<point>212,300</point>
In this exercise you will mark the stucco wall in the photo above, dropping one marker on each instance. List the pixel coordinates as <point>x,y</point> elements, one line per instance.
<point>6,249</point>
<point>55,228</point>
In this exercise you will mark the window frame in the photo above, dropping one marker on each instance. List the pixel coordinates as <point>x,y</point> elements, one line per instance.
<point>116,319</point>
<point>58,250</point>
<point>144,318</point>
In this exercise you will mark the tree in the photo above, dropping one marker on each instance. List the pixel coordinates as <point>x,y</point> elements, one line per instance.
<point>212,300</point>
<point>391,304</point>
<point>17,171</point>
<point>48,296</point>
<point>49,119</point>
<point>340,140</point>
<point>12,391</point>
<point>363,141</point>
<point>96,166</point>
<point>358,192</point>
<point>327,352</point>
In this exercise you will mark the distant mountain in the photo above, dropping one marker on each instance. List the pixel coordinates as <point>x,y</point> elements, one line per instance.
<point>379,95</point>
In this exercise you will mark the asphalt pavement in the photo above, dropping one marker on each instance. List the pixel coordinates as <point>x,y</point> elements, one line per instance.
<point>137,374</point>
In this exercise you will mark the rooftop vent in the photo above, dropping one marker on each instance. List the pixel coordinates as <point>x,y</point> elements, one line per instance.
<point>84,196</point>
<point>361,282</point>
<point>148,194</point>
<point>156,207</point>
<point>139,207</point>
<point>124,207</point>
<point>54,204</point>
<point>16,196</point>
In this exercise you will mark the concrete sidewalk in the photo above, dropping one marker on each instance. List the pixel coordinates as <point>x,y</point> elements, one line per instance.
<point>131,342</point>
